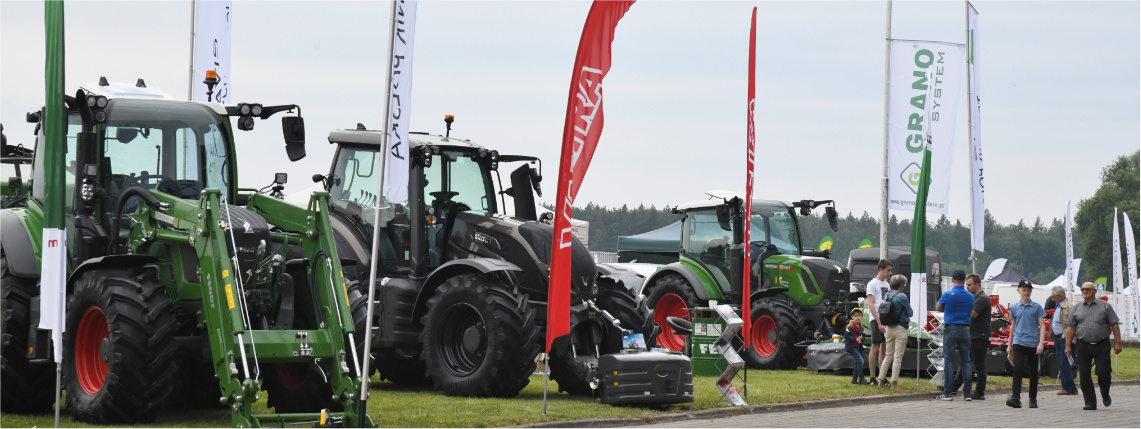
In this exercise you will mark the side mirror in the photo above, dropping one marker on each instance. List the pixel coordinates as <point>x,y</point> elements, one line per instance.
<point>318,178</point>
<point>293,129</point>
<point>535,179</point>
<point>280,178</point>
<point>723,217</point>
<point>832,216</point>
<point>125,135</point>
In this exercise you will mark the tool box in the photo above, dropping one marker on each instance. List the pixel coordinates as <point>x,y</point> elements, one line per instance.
<point>645,377</point>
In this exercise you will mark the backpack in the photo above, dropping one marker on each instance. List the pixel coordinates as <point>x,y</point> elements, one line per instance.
<point>889,315</point>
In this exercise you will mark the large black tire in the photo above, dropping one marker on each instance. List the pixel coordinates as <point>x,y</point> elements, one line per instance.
<point>25,387</point>
<point>119,347</point>
<point>629,308</point>
<point>299,387</point>
<point>776,328</point>
<point>480,337</point>
<point>358,299</point>
<point>669,296</point>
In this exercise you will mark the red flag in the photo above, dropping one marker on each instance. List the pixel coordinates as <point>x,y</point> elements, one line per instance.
<point>581,130</point>
<point>749,141</point>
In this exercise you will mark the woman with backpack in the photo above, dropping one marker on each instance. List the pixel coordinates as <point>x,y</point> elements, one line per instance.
<point>896,318</point>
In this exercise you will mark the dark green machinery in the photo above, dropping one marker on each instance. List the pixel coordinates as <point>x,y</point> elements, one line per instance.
<point>180,285</point>
<point>794,293</point>
<point>462,281</point>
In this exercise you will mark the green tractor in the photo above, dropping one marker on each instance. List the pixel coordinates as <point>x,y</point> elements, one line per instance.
<point>182,289</point>
<point>795,293</point>
<point>462,283</point>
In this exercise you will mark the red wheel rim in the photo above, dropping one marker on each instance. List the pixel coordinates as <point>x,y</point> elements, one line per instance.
<point>670,305</point>
<point>90,369</point>
<point>765,336</point>
<point>292,374</point>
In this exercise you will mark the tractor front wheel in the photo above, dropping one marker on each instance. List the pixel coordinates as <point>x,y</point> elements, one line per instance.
<point>25,387</point>
<point>670,296</point>
<point>480,337</point>
<point>775,330</point>
<point>119,347</point>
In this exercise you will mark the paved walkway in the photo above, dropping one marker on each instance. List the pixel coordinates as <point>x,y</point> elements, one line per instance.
<point>1054,411</point>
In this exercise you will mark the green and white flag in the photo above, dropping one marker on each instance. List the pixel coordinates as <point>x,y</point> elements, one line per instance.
<point>53,264</point>
<point>924,76</point>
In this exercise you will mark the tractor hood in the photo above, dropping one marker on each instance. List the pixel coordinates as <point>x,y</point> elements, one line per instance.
<point>526,244</point>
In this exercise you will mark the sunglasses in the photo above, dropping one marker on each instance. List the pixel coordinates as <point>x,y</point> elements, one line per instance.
<point>1088,290</point>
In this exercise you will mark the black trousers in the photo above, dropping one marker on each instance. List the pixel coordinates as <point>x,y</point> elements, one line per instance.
<point>979,349</point>
<point>1025,358</point>
<point>1087,355</point>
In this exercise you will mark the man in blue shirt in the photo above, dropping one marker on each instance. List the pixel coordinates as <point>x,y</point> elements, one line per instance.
<point>956,305</point>
<point>1028,340</point>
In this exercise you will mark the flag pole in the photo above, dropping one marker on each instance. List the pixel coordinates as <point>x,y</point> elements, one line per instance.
<point>884,179</point>
<point>374,263</point>
<point>193,35</point>
<point>970,128</point>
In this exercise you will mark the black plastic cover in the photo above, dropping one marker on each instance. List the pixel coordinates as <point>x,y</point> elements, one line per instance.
<point>645,378</point>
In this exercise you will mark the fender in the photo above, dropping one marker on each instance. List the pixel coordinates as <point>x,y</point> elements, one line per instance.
<point>678,268</point>
<point>17,245</point>
<point>454,268</point>
<point>633,280</point>
<point>113,261</point>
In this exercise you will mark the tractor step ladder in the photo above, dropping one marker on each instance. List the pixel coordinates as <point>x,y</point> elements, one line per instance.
<point>724,346</point>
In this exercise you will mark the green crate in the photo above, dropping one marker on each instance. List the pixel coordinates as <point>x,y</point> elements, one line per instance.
<point>705,357</point>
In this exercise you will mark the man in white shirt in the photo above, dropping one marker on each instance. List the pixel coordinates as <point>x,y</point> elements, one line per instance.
<point>877,291</point>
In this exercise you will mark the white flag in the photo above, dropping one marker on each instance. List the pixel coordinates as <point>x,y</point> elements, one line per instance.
<point>918,292</point>
<point>911,61</point>
<point>978,207</point>
<point>1131,301</point>
<point>1118,282</point>
<point>53,277</point>
<point>212,50</point>
<point>1068,225</point>
<point>400,103</point>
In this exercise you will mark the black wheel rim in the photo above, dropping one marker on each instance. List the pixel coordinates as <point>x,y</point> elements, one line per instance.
<point>463,339</point>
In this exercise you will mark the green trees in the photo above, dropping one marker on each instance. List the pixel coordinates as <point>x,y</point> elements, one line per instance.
<point>1094,219</point>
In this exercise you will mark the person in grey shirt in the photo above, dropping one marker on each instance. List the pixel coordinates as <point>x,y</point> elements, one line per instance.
<point>1088,327</point>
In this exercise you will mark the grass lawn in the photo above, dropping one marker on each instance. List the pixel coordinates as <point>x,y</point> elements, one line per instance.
<point>393,406</point>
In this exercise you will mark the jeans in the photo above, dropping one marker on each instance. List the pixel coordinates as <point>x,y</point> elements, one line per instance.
<point>1025,359</point>
<point>857,365</point>
<point>956,338</point>
<point>1065,370</point>
<point>979,348</point>
<point>1087,355</point>
<point>896,345</point>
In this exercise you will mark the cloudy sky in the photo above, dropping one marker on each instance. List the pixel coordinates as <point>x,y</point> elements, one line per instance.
<point>1059,88</point>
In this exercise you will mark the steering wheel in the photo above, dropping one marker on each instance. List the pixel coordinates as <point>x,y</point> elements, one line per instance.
<point>145,179</point>
<point>443,196</point>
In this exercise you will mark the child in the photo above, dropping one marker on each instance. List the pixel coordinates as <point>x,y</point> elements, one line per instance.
<point>854,345</point>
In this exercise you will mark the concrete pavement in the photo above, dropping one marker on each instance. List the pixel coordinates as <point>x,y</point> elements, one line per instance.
<point>1053,411</point>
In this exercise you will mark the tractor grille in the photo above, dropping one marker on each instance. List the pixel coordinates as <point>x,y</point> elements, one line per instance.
<point>250,232</point>
<point>831,276</point>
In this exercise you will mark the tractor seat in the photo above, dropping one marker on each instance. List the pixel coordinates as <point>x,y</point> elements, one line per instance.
<point>679,325</point>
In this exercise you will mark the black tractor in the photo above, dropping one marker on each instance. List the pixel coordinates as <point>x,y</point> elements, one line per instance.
<point>462,284</point>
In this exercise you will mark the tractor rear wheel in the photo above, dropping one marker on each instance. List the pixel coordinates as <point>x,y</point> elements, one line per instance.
<point>25,387</point>
<point>119,347</point>
<point>480,337</point>
<point>776,328</point>
<point>629,308</point>
<point>670,296</point>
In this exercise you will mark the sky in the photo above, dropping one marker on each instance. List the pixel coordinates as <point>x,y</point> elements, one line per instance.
<point>1060,88</point>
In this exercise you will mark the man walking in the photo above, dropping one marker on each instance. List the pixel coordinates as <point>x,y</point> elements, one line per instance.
<point>1088,329</point>
<point>980,337</point>
<point>1028,340</point>
<point>877,291</point>
<point>956,305</point>
<point>1057,334</point>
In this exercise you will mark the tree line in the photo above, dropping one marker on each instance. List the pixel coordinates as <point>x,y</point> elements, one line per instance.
<point>1036,249</point>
